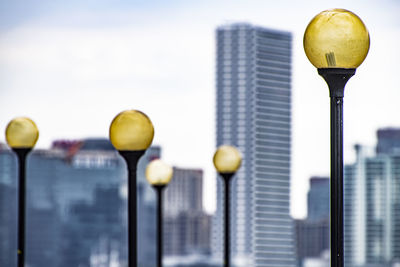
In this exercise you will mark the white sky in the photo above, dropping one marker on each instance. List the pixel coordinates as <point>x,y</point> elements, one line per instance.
<point>73,68</point>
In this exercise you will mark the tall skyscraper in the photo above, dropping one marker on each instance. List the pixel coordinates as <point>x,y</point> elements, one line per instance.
<point>372,204</point>
<point>254,114</point>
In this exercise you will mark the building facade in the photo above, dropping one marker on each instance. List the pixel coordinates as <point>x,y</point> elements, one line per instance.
<point>76,207</point>
<point>254,114</point>
<point>8,209</point>
<point>318,199</point>
<point>313,233</point>
<point>372,204</point>
<point>186,224</point>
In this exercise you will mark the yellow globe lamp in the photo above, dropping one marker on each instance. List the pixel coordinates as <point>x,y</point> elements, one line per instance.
<point>336,42</point>
<point>158,173</point>
<point>227,159</point>
<point>131,133</point>
<point>22,132</point>
<point>336,38</point>
<point>21,135</point>
<point>131,130</point>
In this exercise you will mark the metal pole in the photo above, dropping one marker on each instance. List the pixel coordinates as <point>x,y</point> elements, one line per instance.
<point>227,177</point>
<point>336,78</point>
<point>159,190</point>
<point>21,155</point>
<point>132,159</point>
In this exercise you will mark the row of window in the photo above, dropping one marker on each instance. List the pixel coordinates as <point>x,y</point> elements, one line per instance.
<point>278,36</point>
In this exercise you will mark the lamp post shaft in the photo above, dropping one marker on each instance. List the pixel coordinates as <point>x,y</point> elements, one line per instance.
<point>159,190</point>
<point>21,155</point>
<point>336,78</point>
<point>337,182</point>
<point>132,159</point>
<point>227,178</point>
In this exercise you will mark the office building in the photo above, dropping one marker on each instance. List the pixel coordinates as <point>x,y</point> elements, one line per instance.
<point>372,204</point>
<point>254,114</point>
<point>313,233</point>
<point>388,141</point>
<point>76,206</point>
<point>8,208</point>
<point>186,225</point>
<point>318,199</point>
<point>185,192</point>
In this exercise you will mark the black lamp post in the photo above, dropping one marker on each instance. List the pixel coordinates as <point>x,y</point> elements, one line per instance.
<point>227,160</point>
<point>159,174</point>
<point>336,42</point>
<point>21,135</point>
<point>131,133</point>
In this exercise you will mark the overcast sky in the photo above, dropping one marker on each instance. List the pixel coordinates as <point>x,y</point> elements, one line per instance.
<point>73,65</point>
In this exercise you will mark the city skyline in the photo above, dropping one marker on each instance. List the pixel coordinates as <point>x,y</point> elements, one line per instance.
<point>62,64</point>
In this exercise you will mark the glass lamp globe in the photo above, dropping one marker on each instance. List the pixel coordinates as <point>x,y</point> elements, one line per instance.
<point>227,159</point>
<point>22,133</point>
<point>131,130</point>
<point>158,173</point>
<point>336,38</point>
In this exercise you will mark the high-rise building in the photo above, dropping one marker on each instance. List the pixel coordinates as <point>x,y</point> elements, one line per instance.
<point>185,192</point>
<point>372,204</point>
<point>312,234</point>
<point>318,199</point>
<point>8,209</point>
<point>254,114</point>
<point>76,206</point>
<point>186,225</point>
<point>388,141</point>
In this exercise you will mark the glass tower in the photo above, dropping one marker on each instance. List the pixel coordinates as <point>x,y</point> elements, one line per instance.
<point>254,114</point>
<point>372,204</point>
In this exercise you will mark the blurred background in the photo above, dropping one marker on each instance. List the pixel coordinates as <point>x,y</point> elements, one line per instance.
<point>72,66</point>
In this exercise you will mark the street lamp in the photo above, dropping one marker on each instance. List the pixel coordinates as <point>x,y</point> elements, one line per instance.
<point>336,42</point>
<point>131,133</point>
<point>159,174</point>
<point>227,160</point>
<point>21,135</point>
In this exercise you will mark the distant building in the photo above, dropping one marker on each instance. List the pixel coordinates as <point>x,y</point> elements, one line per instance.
<point>254,114</point>
<point>8,209</point>
<point>318,199</point>
<point>313,233</point>
<point>388,141</point>
<point>372,204</point>
<point>185,192</point>
<point>193,260</point>
<point>312,239</point>
<point>77,190</point>
<point>147,227</point>
<point>186,225</point>
<point>322,261</point>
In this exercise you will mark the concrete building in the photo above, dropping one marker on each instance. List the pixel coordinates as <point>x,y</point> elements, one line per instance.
<point>313,233</point>
<point>8,208</point>
<point>318,199</point>
<point>186,225</point>
<point>372,204</point>
<point>254,114</point>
